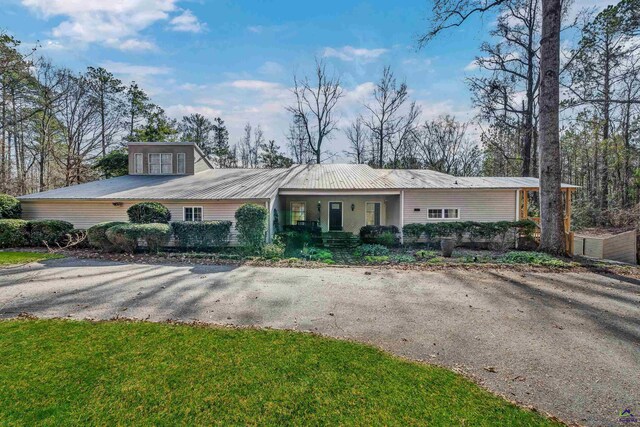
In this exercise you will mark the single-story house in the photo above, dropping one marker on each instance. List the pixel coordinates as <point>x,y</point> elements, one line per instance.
<point>338,197</point>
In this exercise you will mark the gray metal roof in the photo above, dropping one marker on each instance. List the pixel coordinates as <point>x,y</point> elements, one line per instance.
<point>212,184</point>
<point>363,177</point>
<point>220,184</point>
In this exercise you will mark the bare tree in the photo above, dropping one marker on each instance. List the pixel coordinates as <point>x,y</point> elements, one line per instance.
<point>444,147</point>
<point>314,106</point>
<point>297,142</point>
<point>357,135</point>
<point>384,119</point>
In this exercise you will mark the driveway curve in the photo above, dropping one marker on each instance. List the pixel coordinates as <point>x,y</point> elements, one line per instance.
<point>567,344</point>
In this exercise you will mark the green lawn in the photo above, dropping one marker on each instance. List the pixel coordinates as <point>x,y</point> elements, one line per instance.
<point>11,258</point>
<point>55,372</point>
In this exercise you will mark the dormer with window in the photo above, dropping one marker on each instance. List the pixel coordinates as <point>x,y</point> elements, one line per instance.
<point>166,158</point>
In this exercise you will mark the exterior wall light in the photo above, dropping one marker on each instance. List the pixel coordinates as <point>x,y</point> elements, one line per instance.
<point>353,207</point>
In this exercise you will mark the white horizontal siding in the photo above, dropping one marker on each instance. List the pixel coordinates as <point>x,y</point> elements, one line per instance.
<point>474,205</point>
<point>84,214</point>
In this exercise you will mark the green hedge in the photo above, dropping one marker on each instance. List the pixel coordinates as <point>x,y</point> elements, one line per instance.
<point>476,231</point>
<point>381,234</point>
<point>97,235</point>
<point>9,207</point>
<point>203,234</point>
<point>124,237</point>
<point>13,233</point>
<point>149,213</point>
<point>49,231</point>
<point>251,223</point>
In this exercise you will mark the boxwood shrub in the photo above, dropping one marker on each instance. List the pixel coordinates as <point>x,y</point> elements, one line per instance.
<point>9,207</point>
<point>124,237</point>
<point>97,236</point>
<point>49,231</point>
<point>251,223</point>
<point>475,231</point>
<point>382,234</point>
<point>13,233</point>
<point>201,234</point>
<point>148,213</point>
<point>371,250</point>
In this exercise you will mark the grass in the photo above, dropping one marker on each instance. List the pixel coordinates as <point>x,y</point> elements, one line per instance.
<point>532,258</point>
<point>12,258</point>
<point>58,373</point>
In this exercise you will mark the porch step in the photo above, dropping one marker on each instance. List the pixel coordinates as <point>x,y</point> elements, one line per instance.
<point>339,240</point>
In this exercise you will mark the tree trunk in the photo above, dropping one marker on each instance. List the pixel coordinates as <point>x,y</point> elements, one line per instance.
<point>551,210</point>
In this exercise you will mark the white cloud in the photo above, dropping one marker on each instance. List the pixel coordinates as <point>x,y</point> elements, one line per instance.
<point>350,53</point>
<point>112,23</point>
<point>125,68</point>
<point>256,29</point>
<point>132,45</point>
<point>177,111</point>
<point>257,85</point>
<point>187,22</point>
<point>472,66</point>
<point>271,68</point>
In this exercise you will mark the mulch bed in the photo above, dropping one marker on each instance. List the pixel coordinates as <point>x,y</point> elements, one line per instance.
<point>212,259</point>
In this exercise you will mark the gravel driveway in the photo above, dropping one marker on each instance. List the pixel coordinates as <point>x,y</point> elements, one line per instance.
<point>568,344</point>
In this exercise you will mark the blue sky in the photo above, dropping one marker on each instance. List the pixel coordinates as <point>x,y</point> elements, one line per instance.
<point>236,59</point>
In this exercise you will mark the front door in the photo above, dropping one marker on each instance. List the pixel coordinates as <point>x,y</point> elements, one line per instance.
<point>335,216</point>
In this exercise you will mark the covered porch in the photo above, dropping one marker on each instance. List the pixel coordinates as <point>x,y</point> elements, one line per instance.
<point>340,211</point>
<point>524,198</point>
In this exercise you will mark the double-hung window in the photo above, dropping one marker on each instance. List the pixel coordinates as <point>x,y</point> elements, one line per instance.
<point>160,163</point>
<point>138,163</point>
<point>372,213</point>
<point>181,163</point>
<point>192,213</point>
<point>443,213</point>
<point>298,212</point>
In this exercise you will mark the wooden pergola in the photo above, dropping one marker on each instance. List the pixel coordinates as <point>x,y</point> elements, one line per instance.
<point>523,210</point>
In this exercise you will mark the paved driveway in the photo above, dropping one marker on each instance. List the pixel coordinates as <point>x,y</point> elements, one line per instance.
<point>568,344</point>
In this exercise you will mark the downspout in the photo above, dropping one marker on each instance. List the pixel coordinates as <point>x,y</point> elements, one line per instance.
<point>517,214</point>
<point>270,227</point>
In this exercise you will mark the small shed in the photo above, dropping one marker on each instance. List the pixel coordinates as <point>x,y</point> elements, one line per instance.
<point>615,245</point>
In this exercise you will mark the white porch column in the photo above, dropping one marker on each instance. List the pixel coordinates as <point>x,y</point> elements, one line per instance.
<point>401,217</point>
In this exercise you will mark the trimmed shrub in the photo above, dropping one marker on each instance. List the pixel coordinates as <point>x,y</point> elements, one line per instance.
<point>149,213</point>
<point>497,232</point>
<point>413,232</point>
<point>272,251</point>
<point>317,254</point>
<point>49,231</point>
<point>372,234</point>
<point>124,237</point>
<point>371,250</point>
<point>13,233</point>
<point>97,237</point>
<point>251,223</point>
<point>202,234</point>
<point>9,207</point>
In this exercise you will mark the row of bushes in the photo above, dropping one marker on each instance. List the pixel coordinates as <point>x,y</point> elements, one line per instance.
<point>18,232</point>
<point>380,234</point>
<point>124,236</point>
<point>474,231</point>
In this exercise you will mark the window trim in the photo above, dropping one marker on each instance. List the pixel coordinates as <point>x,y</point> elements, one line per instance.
<point>365,212</point>
<point>442,218</point>
<point>184,163</point>
<point>137,156</point>
<point>184,213</point>
<point>291,210</point>
<point>160,154</point>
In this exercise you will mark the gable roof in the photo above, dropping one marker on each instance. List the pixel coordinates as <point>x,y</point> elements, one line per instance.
<point>221,184</point>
